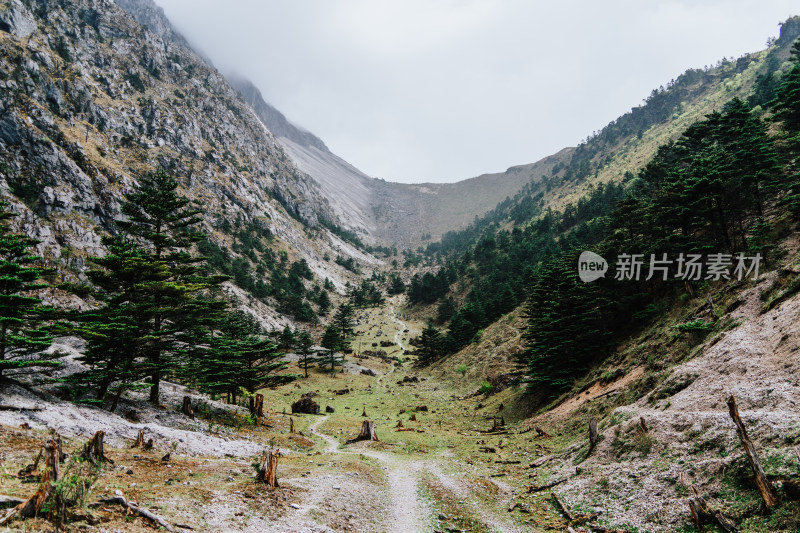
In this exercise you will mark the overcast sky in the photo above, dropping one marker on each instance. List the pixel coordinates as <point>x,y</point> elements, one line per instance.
<point>444,90</point>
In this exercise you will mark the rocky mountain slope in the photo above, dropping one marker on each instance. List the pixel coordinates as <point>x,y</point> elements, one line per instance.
<point>91,99</point>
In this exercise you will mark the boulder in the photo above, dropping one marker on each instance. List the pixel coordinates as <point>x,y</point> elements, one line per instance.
<point>305,405</point>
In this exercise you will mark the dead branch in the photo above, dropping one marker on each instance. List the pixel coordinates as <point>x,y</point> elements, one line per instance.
<point>31,468</point>
<point>762,483</point>
<point>138,510</point>
<point>547,486</point>
<point>702,513</point>
<point>562,508</point>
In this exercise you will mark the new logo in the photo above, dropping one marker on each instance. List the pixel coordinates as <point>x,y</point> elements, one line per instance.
<point>591,267</point>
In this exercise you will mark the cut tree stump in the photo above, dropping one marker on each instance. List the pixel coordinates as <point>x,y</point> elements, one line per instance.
<point>30,470</point>
<point>642,427</point>
<point>367,432</point>
<point>762,483</point>
<point>258,408</point>
<point>594,436</point>
<point>268,471</point>
<point>541,433</point>
<point>186,408</point>
<point>93,450</point>
<point>31,507</point>
<point>291,425</point>
<point>139,443</point>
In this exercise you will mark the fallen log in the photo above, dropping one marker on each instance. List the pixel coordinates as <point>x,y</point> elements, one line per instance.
<point>762,483</point>
<point>15,408</point>
<point>547,486</point>
<point>268,471</point>
<point>9,501</point>
<point>367,432</point>
<point>508,462</point>
<point>138,510</point>
<point>540,461</point>
<point>563,508</point>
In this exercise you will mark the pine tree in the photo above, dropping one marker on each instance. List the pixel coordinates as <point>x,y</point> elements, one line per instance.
<point>304,351</point>
<point>430,345</point>
<point>159,215</point>
<point>565,331</point>
<point>343,321</point>
<point>22,337</point>
<point>333,342</point>
<point>117,333</point>
<point>396,285</point>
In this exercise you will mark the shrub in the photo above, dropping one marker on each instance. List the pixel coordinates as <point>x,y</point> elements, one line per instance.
<point>462,369</point>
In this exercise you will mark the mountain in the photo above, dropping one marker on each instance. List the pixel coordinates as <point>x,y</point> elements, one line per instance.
<point>94,95</point>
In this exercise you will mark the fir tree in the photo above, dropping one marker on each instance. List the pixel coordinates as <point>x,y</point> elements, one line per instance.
<point>22,336</point>
<point>304,351</point>
<point>343,321</point>
<point>333,342</point>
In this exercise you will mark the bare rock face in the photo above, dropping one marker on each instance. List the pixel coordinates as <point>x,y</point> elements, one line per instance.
<point>17,20</point>
<point>306,406</point>
<point>94,94</point>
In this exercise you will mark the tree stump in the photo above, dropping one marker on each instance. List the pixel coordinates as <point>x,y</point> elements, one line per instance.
<point>594,436</point>
<point>139,440</point>
<point>186,408</point>
<point>291,425</point>
<point>259,406</point>
<point>367,432</point>
<point>32,506</point>
<point>93,450</point>
<point>268,471</point>
<point>762,483</point>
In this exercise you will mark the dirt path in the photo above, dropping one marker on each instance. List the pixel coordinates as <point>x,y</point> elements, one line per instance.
<point>406,505</point>
<point>410,512</point>
<point>403,326</point>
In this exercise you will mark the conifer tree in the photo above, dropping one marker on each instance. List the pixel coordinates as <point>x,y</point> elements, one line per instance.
<point>333,342</point>
<point>343,321</point>
<point>22,336</point>
<point>304,351</point>
<point>430,345</point>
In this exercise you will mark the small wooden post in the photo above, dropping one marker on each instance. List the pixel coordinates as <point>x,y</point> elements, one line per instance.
<point>762,483</point>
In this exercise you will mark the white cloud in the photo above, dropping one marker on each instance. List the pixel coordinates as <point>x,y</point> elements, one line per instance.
<point>441,90</point>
